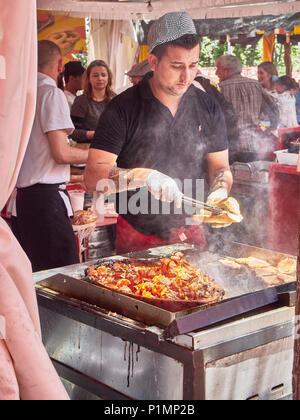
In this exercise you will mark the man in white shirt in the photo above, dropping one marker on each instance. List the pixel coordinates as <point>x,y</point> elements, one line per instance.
<point>42,225</point>
<point>73,72</point>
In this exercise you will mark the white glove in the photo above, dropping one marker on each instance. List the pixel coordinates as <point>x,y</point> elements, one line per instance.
<point>216,196</point>
<point>164,188</point>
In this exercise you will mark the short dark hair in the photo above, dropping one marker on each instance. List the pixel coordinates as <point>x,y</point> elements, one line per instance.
<point>47,52</point>
<point>286,81</point>
<point>73,68</point>
<point>188,42</point>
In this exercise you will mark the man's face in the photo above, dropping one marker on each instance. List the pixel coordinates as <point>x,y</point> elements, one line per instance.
<point>222,73</point>
<point>77,80</point>
<point>176,70</point>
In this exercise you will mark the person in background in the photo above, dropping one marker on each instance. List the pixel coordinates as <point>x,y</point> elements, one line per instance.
<point>42,223</point>
<point>161,129</point>
<point>72,74</point>
<point>285,88</point>
<point>138,71</point>
<point>252,105</point>
<point>267,74</point>
<point>88,107</point>
<point>228,111</point>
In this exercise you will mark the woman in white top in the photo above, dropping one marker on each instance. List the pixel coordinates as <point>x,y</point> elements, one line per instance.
<point>286,102</point>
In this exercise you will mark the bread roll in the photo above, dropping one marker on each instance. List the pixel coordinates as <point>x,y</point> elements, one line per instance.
<point>231,213</point>
<point>84,217</point>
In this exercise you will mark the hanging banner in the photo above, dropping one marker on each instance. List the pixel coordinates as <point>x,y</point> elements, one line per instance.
<point>68,33</point>
<point>268,47</point>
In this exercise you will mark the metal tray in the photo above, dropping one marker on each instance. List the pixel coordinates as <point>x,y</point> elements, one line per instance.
<point>171,305</point>
<point>244,292</point>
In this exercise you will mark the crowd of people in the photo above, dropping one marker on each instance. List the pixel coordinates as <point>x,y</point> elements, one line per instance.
<point>170,126</point>
<point>139,128</point>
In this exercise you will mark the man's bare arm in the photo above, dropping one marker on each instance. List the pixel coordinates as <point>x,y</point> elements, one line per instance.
<point>220,180</point>
<point>102,174</point>
<point>101,166</point>
<point>62,152</point>
<point>219,171</point>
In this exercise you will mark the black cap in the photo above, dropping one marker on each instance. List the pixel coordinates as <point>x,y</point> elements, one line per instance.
<point>140,69</point>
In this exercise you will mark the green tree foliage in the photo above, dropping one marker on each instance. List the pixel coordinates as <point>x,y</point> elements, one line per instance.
<point>82,57</point>
<point>279,58</point>
<point>212,49</point>
<point>249,56</point>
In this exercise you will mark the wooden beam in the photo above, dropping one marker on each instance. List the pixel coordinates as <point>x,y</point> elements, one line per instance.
<point>287,59</point>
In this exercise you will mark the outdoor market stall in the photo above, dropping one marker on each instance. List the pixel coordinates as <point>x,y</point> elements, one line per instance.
<point>204,357</point>
<point>107,345</point>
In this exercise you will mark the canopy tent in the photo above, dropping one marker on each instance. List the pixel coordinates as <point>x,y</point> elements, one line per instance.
<point>242,30</point>
<point>114,41</point>
<point>152,9</point>
<point>241,19</point>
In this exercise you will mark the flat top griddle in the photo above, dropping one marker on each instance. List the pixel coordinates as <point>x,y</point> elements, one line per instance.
<point>244,292</point>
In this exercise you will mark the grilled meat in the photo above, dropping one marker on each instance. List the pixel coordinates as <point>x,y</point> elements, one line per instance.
<point>168,278</point>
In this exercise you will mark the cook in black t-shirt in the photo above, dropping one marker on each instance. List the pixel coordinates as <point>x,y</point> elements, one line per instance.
<point>162,129</point>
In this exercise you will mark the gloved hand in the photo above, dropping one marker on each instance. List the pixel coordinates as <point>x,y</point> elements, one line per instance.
<point>216,196</point>
<point>213,199</point>
<point>164,188</point>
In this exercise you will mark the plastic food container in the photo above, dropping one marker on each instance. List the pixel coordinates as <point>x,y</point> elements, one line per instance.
<point>77,199</point>
<point>286,158</point>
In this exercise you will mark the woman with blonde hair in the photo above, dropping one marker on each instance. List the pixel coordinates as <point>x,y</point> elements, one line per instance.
<point>267,75</point>
<point>87,108</point>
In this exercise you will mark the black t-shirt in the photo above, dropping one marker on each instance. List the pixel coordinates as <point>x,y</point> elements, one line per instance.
<point>143,133</point>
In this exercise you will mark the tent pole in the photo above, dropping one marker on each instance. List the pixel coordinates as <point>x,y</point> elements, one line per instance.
<point>287,56</point>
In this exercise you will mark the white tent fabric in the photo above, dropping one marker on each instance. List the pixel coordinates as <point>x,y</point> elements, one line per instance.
<point>26,371</point>
<point>198,9</point>
<point>115,43</point>
<point>109,20</point>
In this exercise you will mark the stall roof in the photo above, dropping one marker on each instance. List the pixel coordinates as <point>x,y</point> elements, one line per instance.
<point>242,30</point>
<point>152,9</point>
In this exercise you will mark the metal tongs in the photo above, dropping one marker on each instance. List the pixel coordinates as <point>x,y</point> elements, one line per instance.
<point>201,205</point>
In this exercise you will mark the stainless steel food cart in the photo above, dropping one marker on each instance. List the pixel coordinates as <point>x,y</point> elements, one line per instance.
<point>109,352</point>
